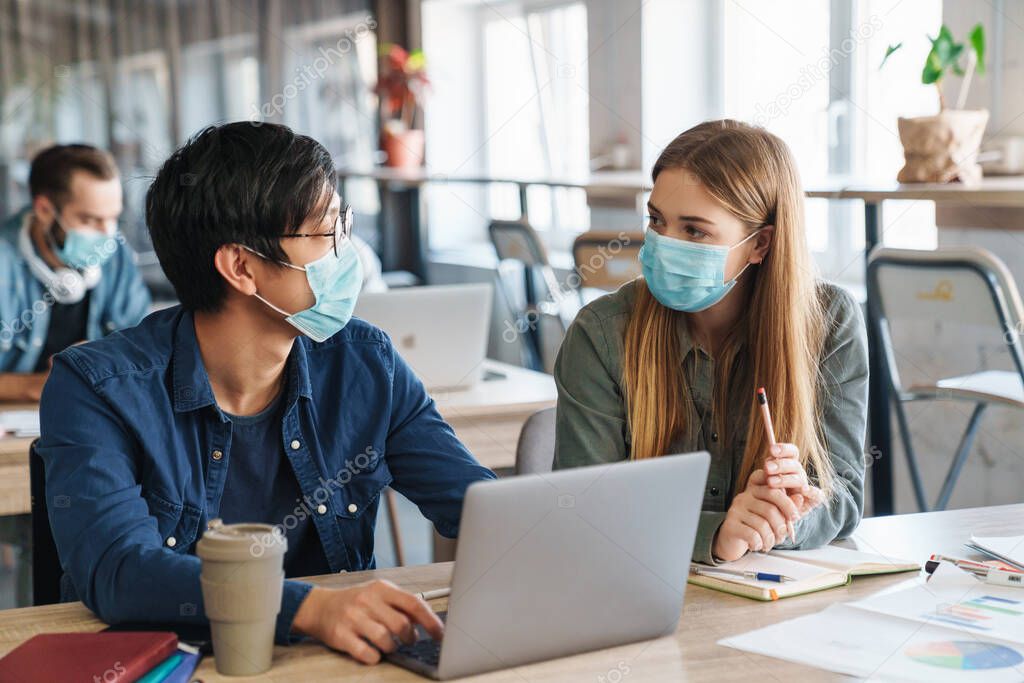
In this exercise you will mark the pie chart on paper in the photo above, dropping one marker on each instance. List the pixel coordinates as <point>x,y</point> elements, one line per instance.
<point>964,655</point>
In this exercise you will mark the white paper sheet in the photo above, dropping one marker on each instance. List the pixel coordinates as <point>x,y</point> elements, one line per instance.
<point>953,627</point>
<point>20,423</point>
<point>869,645</point>
<point>956,599</point>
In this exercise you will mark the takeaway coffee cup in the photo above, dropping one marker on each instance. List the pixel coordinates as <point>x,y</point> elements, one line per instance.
<point>242,578</point>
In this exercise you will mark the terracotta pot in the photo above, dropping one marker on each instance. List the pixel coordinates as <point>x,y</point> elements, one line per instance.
<point>403,148</point>
<point>942,148</point>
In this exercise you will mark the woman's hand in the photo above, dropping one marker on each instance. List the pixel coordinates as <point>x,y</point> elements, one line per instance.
<point>785,471</point>
<point>756,520</point>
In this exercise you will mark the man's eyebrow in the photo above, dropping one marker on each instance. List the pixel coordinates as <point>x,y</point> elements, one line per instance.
<point>692,219</point>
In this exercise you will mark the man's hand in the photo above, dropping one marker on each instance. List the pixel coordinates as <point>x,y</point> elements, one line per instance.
<point>362,620</point>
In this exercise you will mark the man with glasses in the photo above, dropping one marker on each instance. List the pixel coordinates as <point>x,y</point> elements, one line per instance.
<point>258,399</point>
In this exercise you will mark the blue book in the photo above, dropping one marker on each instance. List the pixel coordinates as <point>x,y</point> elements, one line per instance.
<point>178,668</point>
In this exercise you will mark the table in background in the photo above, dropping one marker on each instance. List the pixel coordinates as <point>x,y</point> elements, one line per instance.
<point>15,498</point>
<point>691,653</point>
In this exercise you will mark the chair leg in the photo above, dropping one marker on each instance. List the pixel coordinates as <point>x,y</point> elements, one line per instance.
<point>908,449</point>
<point>961,457</point>
<point>396,532</point>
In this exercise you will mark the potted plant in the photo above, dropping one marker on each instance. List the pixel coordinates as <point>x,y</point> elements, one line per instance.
<point>944,147</point>
<point>401,88</point>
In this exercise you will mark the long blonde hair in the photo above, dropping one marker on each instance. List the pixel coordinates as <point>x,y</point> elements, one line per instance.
<point>752,174</point>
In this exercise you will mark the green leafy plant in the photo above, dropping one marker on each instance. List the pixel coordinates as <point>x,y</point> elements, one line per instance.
<point>947,55</point>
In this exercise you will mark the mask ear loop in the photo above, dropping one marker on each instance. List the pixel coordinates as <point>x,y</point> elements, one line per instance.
<point>283,263</point>
<point>737,276</point>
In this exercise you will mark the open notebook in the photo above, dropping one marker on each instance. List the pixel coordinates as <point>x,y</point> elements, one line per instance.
<point>813,570</point>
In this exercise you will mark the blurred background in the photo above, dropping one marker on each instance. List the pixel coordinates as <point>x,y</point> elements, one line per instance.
<point>447,117</point>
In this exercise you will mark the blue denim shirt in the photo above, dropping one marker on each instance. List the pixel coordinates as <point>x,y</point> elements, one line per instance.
<point>136,452</point>
<point>119,300</point>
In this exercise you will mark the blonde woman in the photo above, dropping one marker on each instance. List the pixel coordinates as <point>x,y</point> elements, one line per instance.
<point>728,302</point>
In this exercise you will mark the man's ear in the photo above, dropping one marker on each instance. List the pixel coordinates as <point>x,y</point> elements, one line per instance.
<point>43,209</point>
<point>235,265</point>
<point>762,242</point>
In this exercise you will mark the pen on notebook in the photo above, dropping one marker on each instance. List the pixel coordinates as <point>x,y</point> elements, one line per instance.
<point>766,417</point>
<point>746,574</point>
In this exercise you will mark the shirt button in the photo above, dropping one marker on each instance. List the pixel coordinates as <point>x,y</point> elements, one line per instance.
<point>171,541</point>
<point>714,490</point>
<point>714,436</point>
<point>321,509</point>
<point>217,455</point>
<point>296,445</point>
<point>352,507</point>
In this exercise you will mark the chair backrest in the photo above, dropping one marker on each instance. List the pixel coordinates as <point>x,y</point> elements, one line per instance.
<point>535,452</point>
<point>517,240</point>
<point>965,286</point>
<point>607,260</point>
<point>46,569</point>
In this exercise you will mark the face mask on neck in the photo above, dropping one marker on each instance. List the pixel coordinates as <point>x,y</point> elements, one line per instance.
<point>685,276</point>
<point>335,281</point>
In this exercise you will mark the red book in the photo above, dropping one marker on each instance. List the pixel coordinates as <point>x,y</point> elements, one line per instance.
<point>120,657</point>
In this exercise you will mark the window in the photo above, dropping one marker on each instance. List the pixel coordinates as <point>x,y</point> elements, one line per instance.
<point>809,73</point>
<point>526,62</point>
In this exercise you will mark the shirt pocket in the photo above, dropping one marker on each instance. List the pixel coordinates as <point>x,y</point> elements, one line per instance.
<point>177,523</point>
<point>355,505</point>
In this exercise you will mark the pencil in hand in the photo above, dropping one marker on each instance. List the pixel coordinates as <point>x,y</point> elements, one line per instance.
<point>766,418</point>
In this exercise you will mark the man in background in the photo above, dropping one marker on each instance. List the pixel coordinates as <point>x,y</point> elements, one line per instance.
<point>68,275</point>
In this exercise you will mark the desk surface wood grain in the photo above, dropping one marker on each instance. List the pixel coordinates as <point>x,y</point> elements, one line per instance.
<point>690,654</point>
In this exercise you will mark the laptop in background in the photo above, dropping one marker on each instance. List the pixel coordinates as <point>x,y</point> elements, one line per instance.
<point>441,331</point>
<point>550,565</point>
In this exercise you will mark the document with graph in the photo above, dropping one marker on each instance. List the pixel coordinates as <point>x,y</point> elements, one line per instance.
<point>954,628</point>
<point>955,599</point>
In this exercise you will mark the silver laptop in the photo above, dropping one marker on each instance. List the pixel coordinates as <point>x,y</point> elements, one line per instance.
<point>556,564</point>
<point>441,331</point>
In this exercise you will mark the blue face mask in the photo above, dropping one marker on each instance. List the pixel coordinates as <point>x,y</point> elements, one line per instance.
<point>84,248</point>
<point>685,276</point>
<point>335,281</point>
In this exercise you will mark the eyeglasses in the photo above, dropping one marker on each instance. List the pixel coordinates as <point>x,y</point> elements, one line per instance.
<point>341,233</point>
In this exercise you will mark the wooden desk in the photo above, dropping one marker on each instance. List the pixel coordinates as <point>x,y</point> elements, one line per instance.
<point>690,654</point>
<point>14,489</point>
<point>997,191</point>
<point>487,418</point>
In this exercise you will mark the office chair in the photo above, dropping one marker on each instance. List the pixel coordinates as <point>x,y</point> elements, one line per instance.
<point>541,297</point>
<point>535,451</point>
<point>965,287</point>
<point>46,569</point>
<point>606,260</point>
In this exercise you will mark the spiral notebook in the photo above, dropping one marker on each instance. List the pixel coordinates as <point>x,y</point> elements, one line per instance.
<point>812,570</point>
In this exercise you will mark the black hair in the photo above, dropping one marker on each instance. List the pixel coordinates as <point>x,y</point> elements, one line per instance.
<point>51,170</point>
<point>237,183</point>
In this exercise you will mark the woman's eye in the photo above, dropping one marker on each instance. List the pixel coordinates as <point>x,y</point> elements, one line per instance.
<point>694,232</point>
<point>653,221</point>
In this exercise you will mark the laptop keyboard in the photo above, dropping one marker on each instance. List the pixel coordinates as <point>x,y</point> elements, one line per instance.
<point>426,650</point>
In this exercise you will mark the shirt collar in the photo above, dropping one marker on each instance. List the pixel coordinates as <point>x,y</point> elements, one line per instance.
<point>191,384</point>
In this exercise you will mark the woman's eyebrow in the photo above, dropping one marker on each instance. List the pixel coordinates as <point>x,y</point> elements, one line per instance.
<point>692,219</point>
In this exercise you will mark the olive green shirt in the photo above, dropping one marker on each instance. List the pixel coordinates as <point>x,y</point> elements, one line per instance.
<point>591,425</point>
